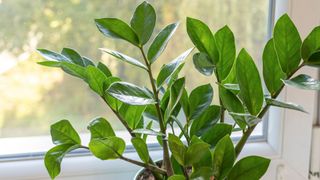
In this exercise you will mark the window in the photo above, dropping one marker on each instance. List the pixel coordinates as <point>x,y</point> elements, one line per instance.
<point>33,97</point>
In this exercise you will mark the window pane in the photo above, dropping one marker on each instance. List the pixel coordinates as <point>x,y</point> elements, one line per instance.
<point>33,97</point>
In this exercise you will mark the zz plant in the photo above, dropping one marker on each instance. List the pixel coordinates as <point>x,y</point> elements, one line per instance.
<point>202,148</point>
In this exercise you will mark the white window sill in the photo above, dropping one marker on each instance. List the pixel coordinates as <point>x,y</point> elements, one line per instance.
<point>88,167</point>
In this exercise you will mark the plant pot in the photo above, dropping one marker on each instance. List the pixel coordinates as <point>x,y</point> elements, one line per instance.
<point>145,174</point>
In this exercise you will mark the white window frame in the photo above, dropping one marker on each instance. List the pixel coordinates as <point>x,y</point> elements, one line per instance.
<point>288,138</point>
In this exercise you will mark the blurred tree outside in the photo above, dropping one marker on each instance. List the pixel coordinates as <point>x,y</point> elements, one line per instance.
<point>33,97</point>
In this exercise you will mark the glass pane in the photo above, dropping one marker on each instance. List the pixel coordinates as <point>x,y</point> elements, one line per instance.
<point>33,97</point>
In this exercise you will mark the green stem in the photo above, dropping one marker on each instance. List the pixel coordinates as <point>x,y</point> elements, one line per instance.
<point>152,168</point>
<point>248,132</point>
<point>166,157</point>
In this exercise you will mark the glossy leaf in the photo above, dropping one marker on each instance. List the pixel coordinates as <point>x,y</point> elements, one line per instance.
<point>100,128</point>
<point>227,51</point>
<point>223,158</point>
<point>303,81</point>
<point>87,61</point>
<point>70,68</point>
<point>169,69</point>
<point>200,98</point>
<point>96,79</point>
<point>250,120</point>
<point>160,42</point>
<point>287,43</point>
<point>195,152</point>
<point>233,104</point>
<point>176,91</point>
<point>252,167</point>
<point>202,38</point>
<point>143,21</point>
<point>203,64</point>
<point>52,56</point>
<point>148,132</point>
<point>103,68</point>
<point>114,103</point>
<point>249,82</point>
<point>311,45</point>
<point>272,72</point>
<point>141,148</point>
<point>177,148</point>
<point>116,28</point>
<point>62,132</point>
<point>132,114</point>
<point>54,156</point>
<point>124,58</point>
<point>288,105</point>
<point>151,113</point>
<point>130,94</point>
<point>206,120</point>
<point>107,148</point>
<point>217,132</point>
<point>74,56</point>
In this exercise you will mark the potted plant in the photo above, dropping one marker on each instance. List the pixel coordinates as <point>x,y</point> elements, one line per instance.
<point>202,148</point>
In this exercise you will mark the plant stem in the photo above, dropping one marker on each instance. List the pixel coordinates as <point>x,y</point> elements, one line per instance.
<point>152,168</point>
<point>248,132</point>
<point>222,110</point>
<point>166,157</point>
<point>127,127</point>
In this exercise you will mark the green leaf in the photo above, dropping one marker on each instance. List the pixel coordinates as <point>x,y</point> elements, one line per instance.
<point>184,101</point>
<point>203,64</point>
<point>203,173</point>
<point>124,58</point>
<point>272,72</point>
<point>252,167</point>
<point>160,42</point>
<point>151,113</point>
<point>132,114</point>
<point>143,21</point>
<point>96,79</point>
<point>195,152</point>
<point>287,43</point>
<point>215,133</point>
<point>200,98</point>
<point>249,82</point>
<point>176,91</point>
<point>250,120</point>
<point>169,69</point>
<point>53,56</point>
<point>202,38</point>
<point>314,59</point>
<point>303,81</point>
<point>233,104</point>
<point>223,158</point>
<point>115,28</point>
<point>100,128</point>
<point>130,94</point>
<point>177,148</point>
<point>227,51</point>
<point>141,148</point>
<point>87,61</point>
<point>107,148</point>
<point>70,68</point>
<point>234,88</point>
<point>288,105</point>
<point>311,45</point>
<point>74,56</point>
<point>62,132</point>
<point>149,126</point>
<point>177,177</point>
<point>103,68</point>
<point>206,120</point>
<point>114,103</point>
<point>54,156</point>
<point>148,132</point>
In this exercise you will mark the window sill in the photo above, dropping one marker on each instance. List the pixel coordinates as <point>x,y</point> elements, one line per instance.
<point>85,167</point>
